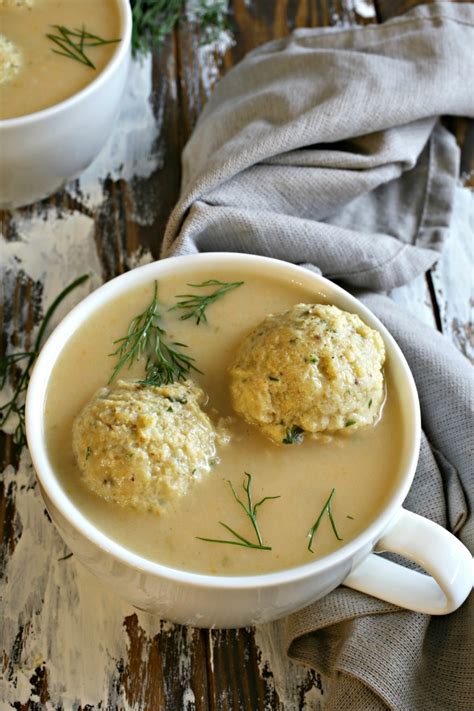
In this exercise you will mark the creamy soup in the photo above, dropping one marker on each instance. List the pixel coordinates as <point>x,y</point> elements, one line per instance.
<point>43,77</point>
<point>362,466</point>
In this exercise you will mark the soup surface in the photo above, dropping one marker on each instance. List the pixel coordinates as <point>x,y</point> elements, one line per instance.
<point>45,78</point>
<point>361,466</point>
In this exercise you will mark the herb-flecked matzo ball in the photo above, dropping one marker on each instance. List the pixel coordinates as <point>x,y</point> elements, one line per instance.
<point>142,446</point>
<point>312,369</point>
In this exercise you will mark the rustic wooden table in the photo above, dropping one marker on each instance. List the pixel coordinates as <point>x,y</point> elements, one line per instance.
<point>67,642</point>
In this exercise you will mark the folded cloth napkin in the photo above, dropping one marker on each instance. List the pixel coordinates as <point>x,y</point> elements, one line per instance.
<point>326,149</point>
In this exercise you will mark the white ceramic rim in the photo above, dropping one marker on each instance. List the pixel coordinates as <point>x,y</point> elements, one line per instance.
<point>116,59</point>
<point>44,471</point>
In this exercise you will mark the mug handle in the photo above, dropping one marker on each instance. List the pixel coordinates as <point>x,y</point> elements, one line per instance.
<point>442,555</point>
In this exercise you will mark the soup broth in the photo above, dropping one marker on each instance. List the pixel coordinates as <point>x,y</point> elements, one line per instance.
<point>45,77</point>
<point>361,466</point>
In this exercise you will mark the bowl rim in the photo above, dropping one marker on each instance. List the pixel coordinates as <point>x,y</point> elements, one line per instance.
<point>112,65</point>
<point>51,486</point>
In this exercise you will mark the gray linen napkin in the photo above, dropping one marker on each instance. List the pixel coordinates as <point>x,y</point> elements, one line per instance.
<point>325,149</point>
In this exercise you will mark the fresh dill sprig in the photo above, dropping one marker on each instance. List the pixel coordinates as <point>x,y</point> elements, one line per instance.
<point>195,305</point>
<point>154,20</point>
<point>72,43</point>
<point>251,511</point>
<point>9,366</point>
<point>170,364</point>
<point>212,17</point>
<point>165,362</point>
<point>326,509</point>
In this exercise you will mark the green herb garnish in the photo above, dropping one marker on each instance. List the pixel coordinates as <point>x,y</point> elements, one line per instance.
<point>182,400</point>
<point>251,511</point>
<point>349,423</point>
<point>165,362</point>
<point>73,43</point>
<point>195,305</point>
<point>154,20</point>
<point>9,365</point>
<point>294,435</point>
<point>326,509</point>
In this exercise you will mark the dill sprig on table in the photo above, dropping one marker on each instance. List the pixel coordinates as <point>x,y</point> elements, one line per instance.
<point>73,43</point>
<point>195,305</point>
<point>10,364</point>
<point>251,511</point>
<point>326,509</point>
<point>154,20</point>
<point>165,363</point>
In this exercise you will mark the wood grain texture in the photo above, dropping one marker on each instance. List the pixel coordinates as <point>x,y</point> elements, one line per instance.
<point>68,642</point>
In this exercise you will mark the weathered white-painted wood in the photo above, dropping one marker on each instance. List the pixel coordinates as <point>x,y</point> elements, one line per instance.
<point>56,620</point>
<point>415,298</point>
<point>453,276</point>
<point>288,680</point>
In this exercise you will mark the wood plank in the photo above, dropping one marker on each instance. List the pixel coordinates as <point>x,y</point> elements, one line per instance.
<point>289,685</point>
<point>415,297</point>
<point>452,277</point>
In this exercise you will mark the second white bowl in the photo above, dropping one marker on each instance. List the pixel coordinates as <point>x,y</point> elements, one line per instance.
<point>40,152</point>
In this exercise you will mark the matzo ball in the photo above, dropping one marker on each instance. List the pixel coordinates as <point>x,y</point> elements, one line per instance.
<point>313,369</point>
<point>142,446</point>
